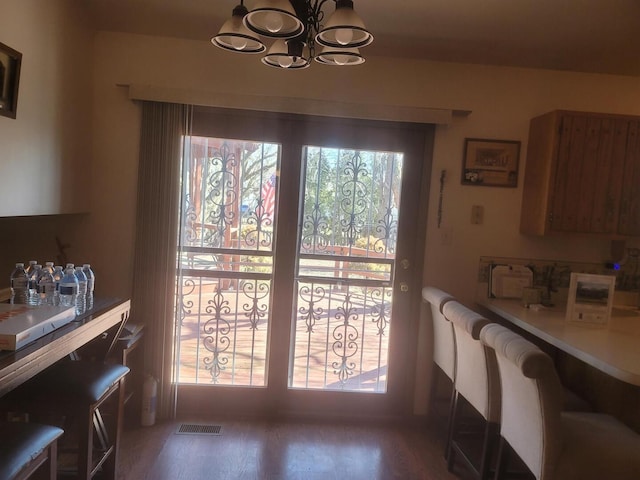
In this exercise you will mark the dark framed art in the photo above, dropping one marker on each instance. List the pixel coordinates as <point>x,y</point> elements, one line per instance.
<point>10,61</point>
<point>491,163</point>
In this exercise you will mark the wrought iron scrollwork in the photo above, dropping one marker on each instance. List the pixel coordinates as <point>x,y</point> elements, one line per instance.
<point>311,311</point>
<point>355,196</point>
<point>258,293</point>
<point>345,345</point>
<point>216,336</point>
<point>222,194</point>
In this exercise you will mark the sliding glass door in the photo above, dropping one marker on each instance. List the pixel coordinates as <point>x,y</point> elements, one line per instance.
<point>299,264</point>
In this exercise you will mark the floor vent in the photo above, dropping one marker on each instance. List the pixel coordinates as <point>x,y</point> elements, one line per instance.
<point>193,429</point>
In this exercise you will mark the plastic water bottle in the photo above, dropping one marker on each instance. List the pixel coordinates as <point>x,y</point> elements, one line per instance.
<point>81,298</point>
<point>46,287</point>
<point>68,288</point>
<point>34,276</point>
<point>91,282</point>
<point>58,273</point>
<point>30,268</point>
<point>19,284</point>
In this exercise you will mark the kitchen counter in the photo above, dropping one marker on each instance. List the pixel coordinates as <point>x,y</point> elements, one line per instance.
<point>614,349</point>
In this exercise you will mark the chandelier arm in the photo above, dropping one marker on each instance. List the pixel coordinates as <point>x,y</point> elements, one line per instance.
<point>315,15</point>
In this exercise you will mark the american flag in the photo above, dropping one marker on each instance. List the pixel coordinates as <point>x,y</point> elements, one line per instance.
<point>268,195</point>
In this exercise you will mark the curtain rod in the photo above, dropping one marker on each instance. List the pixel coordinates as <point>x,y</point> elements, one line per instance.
<point>306,106</point>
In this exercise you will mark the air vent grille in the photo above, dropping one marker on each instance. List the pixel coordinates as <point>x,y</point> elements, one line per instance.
<point>199,429</point>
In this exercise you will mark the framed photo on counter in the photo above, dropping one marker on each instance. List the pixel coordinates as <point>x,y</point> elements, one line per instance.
<point>590,299</point>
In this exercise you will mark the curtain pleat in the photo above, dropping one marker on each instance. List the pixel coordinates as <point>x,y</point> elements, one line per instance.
<point>154,276</point>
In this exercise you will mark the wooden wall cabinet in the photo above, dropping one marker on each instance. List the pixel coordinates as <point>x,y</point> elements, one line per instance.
<point>582,175</point>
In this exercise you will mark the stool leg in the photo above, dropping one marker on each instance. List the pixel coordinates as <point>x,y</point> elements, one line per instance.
<point>453,429</point>
<point>110,465</point>
<point>85,447</point>
<point>51,465</point>
<point>491,436</point>
<point>503,459</point>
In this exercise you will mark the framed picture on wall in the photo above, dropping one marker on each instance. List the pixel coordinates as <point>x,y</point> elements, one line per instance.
<point>590,299</point>
<point>10,62</point>
<point>490,163</point>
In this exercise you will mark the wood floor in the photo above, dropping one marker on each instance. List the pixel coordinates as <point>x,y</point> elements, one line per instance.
<point>284,450</point>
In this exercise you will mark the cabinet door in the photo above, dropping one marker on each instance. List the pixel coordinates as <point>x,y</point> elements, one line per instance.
<point>588,175</point>
<point>629,223</point>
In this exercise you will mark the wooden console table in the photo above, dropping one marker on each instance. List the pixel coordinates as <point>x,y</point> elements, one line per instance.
<point>19,366</point>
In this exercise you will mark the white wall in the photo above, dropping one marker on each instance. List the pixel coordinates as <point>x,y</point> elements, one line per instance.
<point>45,155</point>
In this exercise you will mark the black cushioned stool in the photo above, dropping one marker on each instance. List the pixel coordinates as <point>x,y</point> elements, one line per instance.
<point>28,450</point>
<point>88,393</point>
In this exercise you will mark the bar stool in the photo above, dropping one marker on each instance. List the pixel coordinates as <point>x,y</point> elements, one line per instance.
<point>27,449</point>
<point>91,395</point>
<point>477,381</point>
<point>554,445</point>
<point>444,348</point>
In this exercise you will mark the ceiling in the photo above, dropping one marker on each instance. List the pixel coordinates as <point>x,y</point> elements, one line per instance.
<point>599,36</point>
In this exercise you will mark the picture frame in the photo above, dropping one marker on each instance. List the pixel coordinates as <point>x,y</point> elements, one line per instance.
<point>590,299</point>
<point>10,64</point>
<point>490,163</point>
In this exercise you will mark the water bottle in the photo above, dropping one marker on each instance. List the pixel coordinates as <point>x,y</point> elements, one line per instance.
<point>58,273</point>
<point>34,277</point>
<point>32,264</point>
<point>91,281</point>
<point>48,267</point>
<point>68,288</point>
<point>19,284</point>
<point>81,299</point>
<point>46,287</point>
<point>30,268</point>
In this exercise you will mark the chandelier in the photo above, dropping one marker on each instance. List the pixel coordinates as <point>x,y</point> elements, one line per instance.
<point>297,28</point>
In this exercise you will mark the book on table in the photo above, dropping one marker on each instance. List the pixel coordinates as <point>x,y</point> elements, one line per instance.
<point>22,324</point>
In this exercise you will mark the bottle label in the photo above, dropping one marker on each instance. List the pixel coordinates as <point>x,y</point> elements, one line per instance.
<point>68,290</point>
<point>46,288</point>
<point>19,282</point>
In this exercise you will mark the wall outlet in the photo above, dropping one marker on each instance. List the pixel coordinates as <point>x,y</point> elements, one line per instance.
<point>477,214</point>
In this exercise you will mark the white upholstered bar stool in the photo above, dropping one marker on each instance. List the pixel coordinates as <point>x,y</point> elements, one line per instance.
<point>444,348</point>
<point>476,382</point>
<point>554,445</point>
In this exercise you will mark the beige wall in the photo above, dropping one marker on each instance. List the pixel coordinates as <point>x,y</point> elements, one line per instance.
<point>45,153</point>
<point>57,117</point>
<point>46,150</point>
<point>502,100</point>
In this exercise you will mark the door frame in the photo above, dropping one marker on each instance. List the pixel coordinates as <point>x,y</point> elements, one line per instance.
<point>293,132</point>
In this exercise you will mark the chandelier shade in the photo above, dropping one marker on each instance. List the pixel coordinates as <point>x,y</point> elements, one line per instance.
<point>290,54</point>
<point>344,29</point>
<point>235,36</point>
<point>339,56</point>
<point>298,31</point>
<point>274,19</point>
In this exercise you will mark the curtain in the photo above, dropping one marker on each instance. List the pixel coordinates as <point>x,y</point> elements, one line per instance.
<point>164,126</point>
